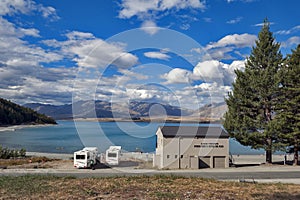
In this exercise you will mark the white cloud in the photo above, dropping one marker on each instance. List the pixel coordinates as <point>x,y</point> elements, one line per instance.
<point>211,92</point>
<point>234,21</point>
<point>157,55</point>
<point>150,27</point>
<point>236,40</point>
<point>131,8</point>
<point>288,32</point>
<point>143,8</point>
<point>11,7</point>
<point>262,24</point>
<point>216,71</point>
<point>150,11</point>
<point>295,40</point>
<point>185,26</point>
<point>30,32</point>
<point>177,75</point>
<point>89,51</point>
<point>17,51</point>
<point>209,70</point>
<point>229,44</point>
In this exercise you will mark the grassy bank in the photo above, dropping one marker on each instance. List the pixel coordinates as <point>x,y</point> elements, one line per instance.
<point>155,187</point>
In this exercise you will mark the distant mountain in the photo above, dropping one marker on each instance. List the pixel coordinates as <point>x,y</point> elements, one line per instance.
<point>212,111</point>
<point>135,109</point>
<point>14,114</point>
<point>103,109</point>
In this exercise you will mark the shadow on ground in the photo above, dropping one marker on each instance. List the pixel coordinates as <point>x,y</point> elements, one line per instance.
<point>121,164</point>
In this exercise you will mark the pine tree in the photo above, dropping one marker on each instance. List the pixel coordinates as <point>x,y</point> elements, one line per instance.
<point>251,104</point>
<point>288,116</point>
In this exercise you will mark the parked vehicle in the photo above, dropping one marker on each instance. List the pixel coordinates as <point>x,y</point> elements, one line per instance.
<point>86,158</point>
<point>113,155</point>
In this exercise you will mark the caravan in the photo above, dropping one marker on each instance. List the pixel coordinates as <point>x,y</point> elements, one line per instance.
<point>86,158</point>
<point>113,155</point>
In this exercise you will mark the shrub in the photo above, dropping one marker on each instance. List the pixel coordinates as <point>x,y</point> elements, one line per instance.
<point>6,153</point>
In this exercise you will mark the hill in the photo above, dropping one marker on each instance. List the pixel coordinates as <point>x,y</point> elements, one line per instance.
<point>135,109</point>
<point>103,109</point>
<point>14,114</point>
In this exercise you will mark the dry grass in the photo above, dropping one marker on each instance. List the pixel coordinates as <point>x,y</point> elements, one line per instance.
<point>24,161</point>
<point>140,187</point>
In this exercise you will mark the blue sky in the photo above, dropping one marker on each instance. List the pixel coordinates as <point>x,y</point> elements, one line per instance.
<point>180,52</point>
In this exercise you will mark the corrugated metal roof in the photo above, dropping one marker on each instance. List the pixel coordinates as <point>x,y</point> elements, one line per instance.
<point>194,131</point>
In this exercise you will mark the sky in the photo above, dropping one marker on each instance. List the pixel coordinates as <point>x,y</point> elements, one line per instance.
<point>178,52</point>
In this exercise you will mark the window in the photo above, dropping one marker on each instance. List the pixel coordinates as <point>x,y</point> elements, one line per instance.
<point>113,155</point>
<point>80,157</point>
<point>181,156</point>
<point>176,156</point>
<point>168,156</point>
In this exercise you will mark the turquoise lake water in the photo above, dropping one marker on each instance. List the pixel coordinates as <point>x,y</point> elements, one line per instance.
<point>66,137</point>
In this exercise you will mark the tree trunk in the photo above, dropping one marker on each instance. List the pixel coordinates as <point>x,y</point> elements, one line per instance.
<point>296,149</point>
<point>269,151</point>
<point>269,140</point>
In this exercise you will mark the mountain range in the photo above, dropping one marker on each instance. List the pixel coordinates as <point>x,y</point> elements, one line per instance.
<point>131,110</point>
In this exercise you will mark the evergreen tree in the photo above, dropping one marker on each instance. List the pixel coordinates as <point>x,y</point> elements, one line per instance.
<point>251,104</point>
<point>288,116</point>
<point>14,114</point>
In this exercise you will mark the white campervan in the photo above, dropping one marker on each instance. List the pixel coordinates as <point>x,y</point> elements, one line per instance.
<point>86,158</point>
<point>113,155</point>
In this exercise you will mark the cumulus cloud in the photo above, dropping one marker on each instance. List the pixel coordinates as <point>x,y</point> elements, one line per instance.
<point>17,51</point>
<point>143,8</point>
<point>216,71</point>
<point>150,27</point>
<point>11,7</point>
<point>157,55</point>
<point>236,40</point>
<point>206,71</point>
<point>227,45</point>
<point>178,75</point>
<point>211,92</point>
<point>89,51</point>
<point>148,11</point>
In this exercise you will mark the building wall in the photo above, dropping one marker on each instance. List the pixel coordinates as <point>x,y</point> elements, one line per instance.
<point>191,153</point>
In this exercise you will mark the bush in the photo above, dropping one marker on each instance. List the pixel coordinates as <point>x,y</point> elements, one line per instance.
<point>6,153</point>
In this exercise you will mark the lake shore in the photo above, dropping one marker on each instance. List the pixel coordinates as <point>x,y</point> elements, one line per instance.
<point>152,119</point>
<point>15,127</point>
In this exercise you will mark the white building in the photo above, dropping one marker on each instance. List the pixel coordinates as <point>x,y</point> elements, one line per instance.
<point>180,147</point>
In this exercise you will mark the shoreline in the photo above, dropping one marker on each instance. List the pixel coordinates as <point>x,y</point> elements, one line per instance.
<point>147,119</point>
<point>21,126</point>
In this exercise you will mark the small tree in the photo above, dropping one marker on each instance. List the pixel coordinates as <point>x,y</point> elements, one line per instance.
<point>253,100</point>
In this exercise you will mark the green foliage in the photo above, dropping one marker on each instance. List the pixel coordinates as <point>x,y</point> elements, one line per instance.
<point>6,153</point>
<point>252,103</point>
<point>288,116</point>
<point>13,114</point>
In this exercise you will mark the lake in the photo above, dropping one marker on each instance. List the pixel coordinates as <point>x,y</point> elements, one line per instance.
<point>67,137</point>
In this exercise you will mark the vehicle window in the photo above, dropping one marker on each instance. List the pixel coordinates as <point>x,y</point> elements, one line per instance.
<point>80,157</point>
<point>113,155</point>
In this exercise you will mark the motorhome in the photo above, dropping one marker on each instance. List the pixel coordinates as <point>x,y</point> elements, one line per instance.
<point>113,155</point>
<point>86,158</point>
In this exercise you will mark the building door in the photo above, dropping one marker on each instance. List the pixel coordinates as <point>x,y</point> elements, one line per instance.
<point>204,162</point>
<point>219,161</point>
